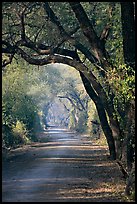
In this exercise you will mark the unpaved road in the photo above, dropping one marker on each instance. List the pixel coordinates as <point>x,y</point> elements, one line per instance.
<point>66,168</point>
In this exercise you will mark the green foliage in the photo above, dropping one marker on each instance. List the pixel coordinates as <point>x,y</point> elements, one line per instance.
<point>18,109</point>
<point>20,133</point>
<point>28,92</point>
<point>81,125</point>
<point>123,82</point>
<point>61,80</point>
<point>94,129</point>
<point>72,120</point>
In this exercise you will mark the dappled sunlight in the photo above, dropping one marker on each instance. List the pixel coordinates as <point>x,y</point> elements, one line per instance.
<point>50,180</point>
<point>68,187</point>
<point>67,140</point>
<point>58,129</point>
<point>66,168</point>
<point>71,159</point>
<point>59,144</point>
<point>100,190</point>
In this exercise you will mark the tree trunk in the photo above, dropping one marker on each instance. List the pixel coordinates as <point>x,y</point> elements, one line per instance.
<point>109,107</point>
<point>102,116</point>
<point>117,135</point>
<point>128,32</point>
<point>106,128</point>
<point>130,135</point>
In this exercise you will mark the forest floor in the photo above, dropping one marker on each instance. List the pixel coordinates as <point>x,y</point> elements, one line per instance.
<point>62,167</point>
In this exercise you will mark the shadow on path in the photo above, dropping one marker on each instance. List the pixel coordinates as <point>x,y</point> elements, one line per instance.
<point>66,168</point>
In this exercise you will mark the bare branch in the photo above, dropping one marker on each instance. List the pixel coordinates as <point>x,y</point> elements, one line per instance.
<point>75,96</point>
<point>96,44</point>
<point>23,35</point>
<point>67,36</point>
<point>85,23</point>
<point>53,18</point>
<point>105,33</point>
<point>71,101</point>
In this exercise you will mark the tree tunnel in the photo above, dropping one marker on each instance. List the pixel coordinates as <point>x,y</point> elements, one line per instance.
<point>80,38</point>
<point>56,115</point>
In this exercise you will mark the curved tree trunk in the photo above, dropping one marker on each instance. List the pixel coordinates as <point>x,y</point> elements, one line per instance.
<point>102,116</point>
<point>98,48</point>
<point>109,107</point>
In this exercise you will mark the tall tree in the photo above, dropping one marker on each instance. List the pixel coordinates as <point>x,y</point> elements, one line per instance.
<point>128,31</point>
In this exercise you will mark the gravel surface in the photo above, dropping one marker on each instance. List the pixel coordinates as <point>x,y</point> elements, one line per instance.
<point>62,167</point>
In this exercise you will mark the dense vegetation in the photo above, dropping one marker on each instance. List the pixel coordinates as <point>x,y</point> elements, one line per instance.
<point>95,38</point>
<point>28,98</point>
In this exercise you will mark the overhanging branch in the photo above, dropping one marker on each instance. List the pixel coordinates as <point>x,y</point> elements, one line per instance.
<point>71,101</point>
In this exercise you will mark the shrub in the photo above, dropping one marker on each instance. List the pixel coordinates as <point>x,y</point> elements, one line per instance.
<point>20,133</point>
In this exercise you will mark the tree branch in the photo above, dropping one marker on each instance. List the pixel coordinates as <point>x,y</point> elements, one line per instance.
<point>85,23</point>
<point>105,33</point>
<point>77,98</point>
<point>96,44</point>
<point>53,18</point>
<point>71,101</point>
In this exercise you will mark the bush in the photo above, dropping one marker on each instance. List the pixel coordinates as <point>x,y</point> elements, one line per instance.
<point>20,133</point>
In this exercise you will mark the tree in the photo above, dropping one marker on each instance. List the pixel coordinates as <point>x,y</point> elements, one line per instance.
<point>76,35</point>
<point>128,32</point>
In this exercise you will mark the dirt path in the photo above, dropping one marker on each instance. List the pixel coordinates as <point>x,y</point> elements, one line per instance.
<point>66,168</point>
